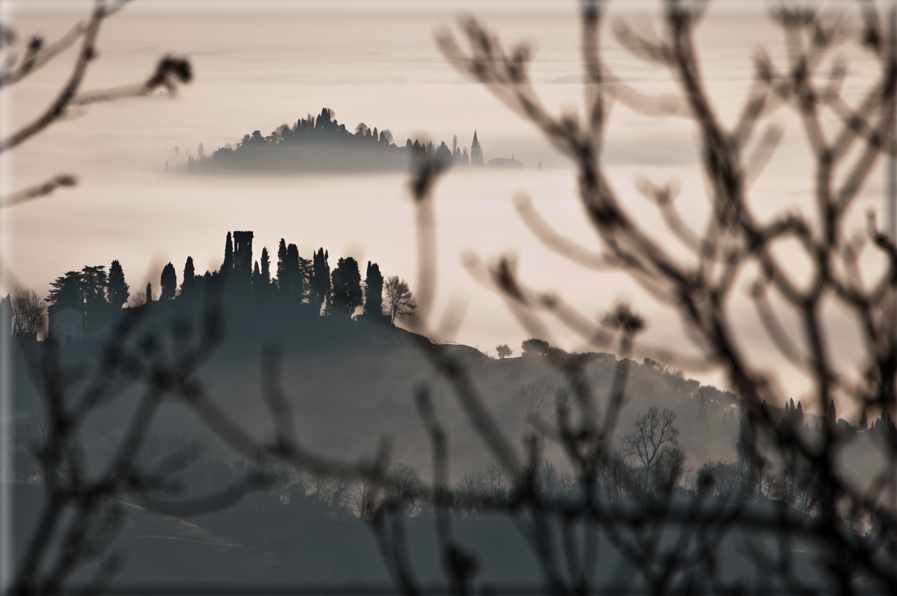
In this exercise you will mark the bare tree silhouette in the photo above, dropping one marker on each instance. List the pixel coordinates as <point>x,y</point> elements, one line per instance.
<point>563,533</point>
<point>29,313</point>
<point>400,303</point>
<point>654,442</point>
<point>671,538</point>
<point>83,510</point>
<point>169,73</point>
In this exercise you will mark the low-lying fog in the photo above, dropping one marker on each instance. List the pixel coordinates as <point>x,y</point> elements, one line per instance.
<point>258,69</point>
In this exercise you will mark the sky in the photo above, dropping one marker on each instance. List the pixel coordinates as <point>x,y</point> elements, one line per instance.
<point>259,65</point>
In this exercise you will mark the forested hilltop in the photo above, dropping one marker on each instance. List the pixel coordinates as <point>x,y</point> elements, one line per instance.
<point>322,145</point>
<point>334,315</point>
<point>348,378</point>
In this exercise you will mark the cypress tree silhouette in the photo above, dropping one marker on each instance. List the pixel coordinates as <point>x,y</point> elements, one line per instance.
<point>294,282</point>
<point>702,411</point>
<point>347,294</point>
<point>864,423</point>
<point>168,283</point>
<point>228,264</point>
<point>118,291</point>
<point>256,280</point>
<point>266,267</point>
<point>373,291</point>
<point>149,293</point>
<point>189,277</point>
<point>320,281</point>
<point>281,261</point>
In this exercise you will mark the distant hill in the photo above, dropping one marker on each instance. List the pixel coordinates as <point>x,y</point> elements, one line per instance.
<point>321,145</point>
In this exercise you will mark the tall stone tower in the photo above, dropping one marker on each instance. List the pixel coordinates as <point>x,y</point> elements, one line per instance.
<point>476,152</point>
<point>243,254</point>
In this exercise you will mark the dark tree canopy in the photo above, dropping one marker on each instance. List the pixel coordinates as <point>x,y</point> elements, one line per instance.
<point>94,282</point>
<point>346,280</point>
<point>168,283</point>
<point>538,347</point>
<point>118,290</point>
<point>66,292</point>
<point>373,290</point>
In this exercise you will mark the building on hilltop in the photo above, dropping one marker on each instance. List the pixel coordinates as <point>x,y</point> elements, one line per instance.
<point>477,158</point>
<point>243,254</point>
<point>476,152</point>
<point>66,325</point>
<point>505,163</point>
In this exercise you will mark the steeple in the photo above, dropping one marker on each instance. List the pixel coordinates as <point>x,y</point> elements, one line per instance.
<point>476,151</point>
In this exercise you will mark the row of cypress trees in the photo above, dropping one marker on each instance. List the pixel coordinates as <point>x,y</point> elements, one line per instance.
<point>298,284</point>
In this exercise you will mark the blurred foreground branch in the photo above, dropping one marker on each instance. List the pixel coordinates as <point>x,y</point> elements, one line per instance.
<point>671,534</point>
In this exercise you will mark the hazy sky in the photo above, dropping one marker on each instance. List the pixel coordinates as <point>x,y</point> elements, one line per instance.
<point>259,65</point>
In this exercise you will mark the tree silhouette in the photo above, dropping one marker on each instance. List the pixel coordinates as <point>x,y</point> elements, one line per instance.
<point>266,268</point>
<point>168,283</point>
<point>320,281</point>
<point>189,281</point>
<point>503,351</point>
<point>443,153</point>
<point>94,284</point>
<point>294,273</point>
<point>346,287</point>
<point>118,291</point>
<point>400,302</point>
<point>373,291</point>
<point>67,292</point>
<point>228,263</point>
<point>534,347</point>
<point>281,265</point>
<point>694,268</point>
<point>403,483</point>
<point>29,313</point>
<point>23,62</point>
<point>654,442</point>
